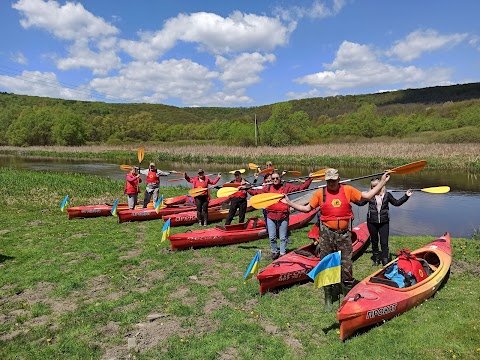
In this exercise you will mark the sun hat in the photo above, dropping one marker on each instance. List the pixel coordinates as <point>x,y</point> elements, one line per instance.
<point>331,174</point>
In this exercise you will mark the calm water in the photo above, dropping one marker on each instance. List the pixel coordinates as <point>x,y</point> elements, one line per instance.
<point>457,212</point>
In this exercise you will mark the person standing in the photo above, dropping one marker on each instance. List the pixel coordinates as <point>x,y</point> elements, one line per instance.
<point>153,183</point>
<point>238,200</point>
<point>132,188</point>
<point>335,217</point>
<point>278,214</point>
<point>378,220</point>
<point>201,201</point>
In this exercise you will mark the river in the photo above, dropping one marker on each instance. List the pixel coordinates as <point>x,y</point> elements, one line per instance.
<point>457,211</point>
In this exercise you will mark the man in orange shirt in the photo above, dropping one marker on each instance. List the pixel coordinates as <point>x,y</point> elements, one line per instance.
<point>335,217</point>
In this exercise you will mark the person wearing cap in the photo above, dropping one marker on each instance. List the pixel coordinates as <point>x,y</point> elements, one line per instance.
<point>153,183</point>
<point>131,188</point>
<point>278,214</point>
<point>201,201</point>
<point>335,216</point>
<point>378,220</point>
<point>238,200</point>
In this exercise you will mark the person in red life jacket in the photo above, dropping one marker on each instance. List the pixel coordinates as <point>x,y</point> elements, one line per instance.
<point>378,220</point>
<point>153,183</point>
<point>202,200</point>
<point>238,200</point>
<point>131,188</point>
<point>278,214</point>
<point>335,216</point>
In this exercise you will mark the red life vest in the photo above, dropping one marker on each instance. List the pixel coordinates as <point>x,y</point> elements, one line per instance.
<point>410,265</point>
<point>131,187</point>
<point>336,206</point>
<point>240,193</point>
<point>279,210</point>
<point>152,177</point>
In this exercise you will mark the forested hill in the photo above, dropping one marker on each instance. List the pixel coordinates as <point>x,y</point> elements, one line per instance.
<point>448,111</point>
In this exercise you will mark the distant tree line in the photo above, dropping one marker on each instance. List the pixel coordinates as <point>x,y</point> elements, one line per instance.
<point>28,121</point>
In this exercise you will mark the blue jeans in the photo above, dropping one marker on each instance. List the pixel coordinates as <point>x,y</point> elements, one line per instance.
<point>282,226</point>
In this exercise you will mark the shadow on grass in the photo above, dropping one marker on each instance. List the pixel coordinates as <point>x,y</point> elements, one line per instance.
<point>5,258</point>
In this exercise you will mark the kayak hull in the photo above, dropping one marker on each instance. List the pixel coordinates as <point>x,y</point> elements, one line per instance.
<point>294,266</point>
<point>151,214</point>
<point>371,302</point>
<point>190,217</point>
<point>233,234</point>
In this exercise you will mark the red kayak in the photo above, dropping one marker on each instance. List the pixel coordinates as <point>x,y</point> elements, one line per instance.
<point>252,229</point>
<point>294,266</point>
<point>190,217</point>
<point>151,214</point>
<point>105,209</point>
<point>377,298</point>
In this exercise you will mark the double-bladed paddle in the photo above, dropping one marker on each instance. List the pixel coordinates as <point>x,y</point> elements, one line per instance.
<point>431,190</point>
<point>261,201</point>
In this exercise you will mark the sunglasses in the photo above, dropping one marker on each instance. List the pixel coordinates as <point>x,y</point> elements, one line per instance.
<point>275,178</point>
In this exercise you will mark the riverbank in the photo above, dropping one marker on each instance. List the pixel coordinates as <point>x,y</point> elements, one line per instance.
<point>94,288</point>
<point>386,155</point>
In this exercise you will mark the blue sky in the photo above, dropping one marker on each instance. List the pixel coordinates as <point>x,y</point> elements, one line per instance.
<point>234,53</point>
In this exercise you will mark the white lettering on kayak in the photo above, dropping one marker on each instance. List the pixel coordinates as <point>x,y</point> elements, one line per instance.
<point>292,275</point>
<point>382,311</point>
<point>91,211</point>
<point>141,213</point>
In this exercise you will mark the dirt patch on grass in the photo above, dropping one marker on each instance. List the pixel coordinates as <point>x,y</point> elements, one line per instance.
<point>228,354</point>
<point>97,288</point>
<point>294,344</point>
<point>182,294</point>
<point>460,267</point>
<point>217,301</point>
<point>130,254</point>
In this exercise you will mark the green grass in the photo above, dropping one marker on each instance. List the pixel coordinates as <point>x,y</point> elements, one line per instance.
<point>78,289</point>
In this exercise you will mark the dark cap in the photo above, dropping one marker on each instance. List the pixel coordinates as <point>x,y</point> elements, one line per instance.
<point>237,173</point>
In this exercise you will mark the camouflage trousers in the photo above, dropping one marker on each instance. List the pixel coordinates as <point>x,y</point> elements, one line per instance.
<point>332,241</point>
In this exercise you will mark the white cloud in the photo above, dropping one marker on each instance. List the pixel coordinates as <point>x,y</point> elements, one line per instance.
<point>154,82</point>
<point>243,70</point>
<point>212,33</point>
<point>38,83</point>
<point>18,58</point>
<point>69,22</point>
<point>318,10</point>
<point>421,41</point>
<point>357,66</point>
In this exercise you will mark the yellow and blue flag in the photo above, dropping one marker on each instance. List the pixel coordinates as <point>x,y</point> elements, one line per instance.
<point>64,204</point>
<point>253,267</point>
<point>114,208</point>
<point>159,204</point>
<point>166,230</point>
<point>328,270</point>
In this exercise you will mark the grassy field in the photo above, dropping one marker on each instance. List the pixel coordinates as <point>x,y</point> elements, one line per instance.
<point>96,289</point>
<point>439,156</point>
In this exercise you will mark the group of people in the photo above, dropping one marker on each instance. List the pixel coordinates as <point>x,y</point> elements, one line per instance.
<point>334,202</point>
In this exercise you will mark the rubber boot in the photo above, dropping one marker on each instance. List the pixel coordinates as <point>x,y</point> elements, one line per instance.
<point>346,287</point>
<point>385,261</point>
<point>328,297</point>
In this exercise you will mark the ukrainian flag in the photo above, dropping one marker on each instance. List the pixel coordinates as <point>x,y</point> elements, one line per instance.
<point>114,208</point>
<point>328,270</point>
<point>253,267</point>
<point>64,204</point>
<point>166,230</point>
<point>159,204</point>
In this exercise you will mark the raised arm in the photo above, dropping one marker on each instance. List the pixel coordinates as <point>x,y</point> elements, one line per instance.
<point>367,195</point>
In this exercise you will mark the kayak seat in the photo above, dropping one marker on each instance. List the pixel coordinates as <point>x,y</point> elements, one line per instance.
<point>251,223</point>
<point>221,227</point>
<point>305,253</point>
<point>383,281</point>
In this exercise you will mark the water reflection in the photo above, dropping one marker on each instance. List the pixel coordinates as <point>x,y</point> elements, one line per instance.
<point>424,214</point>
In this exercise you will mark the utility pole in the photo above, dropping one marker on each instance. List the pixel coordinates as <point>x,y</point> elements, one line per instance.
<point>256,135</point>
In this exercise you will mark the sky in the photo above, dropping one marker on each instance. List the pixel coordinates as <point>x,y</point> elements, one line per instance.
<point>234,53</point>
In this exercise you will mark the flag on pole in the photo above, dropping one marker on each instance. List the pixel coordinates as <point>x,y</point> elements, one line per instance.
<point>253,267</point>
<point>64,204</point>
<point>159,204</point>
<point>114,207</point>
<point>166,230</point>
<point>328,270</point>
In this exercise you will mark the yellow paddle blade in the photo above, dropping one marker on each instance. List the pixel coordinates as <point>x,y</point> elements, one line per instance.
<point>261,201</point>
<point>226,191</point>
<point>409,168</point>
<point>436,189</point>
<point>126,167</point>
<point>141,154</point>
<point>253,166</point>
<point>197,191</point>
<point>319,173</point>
<point>241,171</point>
